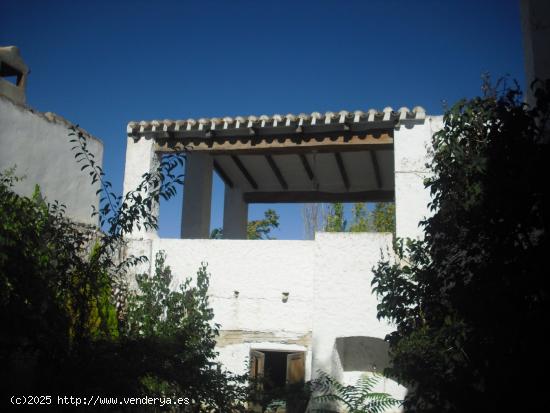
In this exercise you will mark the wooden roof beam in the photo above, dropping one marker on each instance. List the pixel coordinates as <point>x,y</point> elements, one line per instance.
<point>376,168</point>
<point>318,196</point>
<point>276,171</point>
<point>244,171</point>
<point>225,178</point>
<point>307,167</point>
<point>342,169</point>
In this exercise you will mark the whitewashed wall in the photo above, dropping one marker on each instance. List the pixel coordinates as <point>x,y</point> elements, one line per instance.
<point>38,145</point>
<point>327,281</point>
<point>412,143</point>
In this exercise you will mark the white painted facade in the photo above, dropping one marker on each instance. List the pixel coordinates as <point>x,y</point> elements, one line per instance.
<point>37,144</point>
<point>411,154</point>
<point>330,310</point>
<point>327,281</point>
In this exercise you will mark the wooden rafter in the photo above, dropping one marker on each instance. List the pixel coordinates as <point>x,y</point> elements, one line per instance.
<point>225,178</point>
<point>342,169</point>
<point>244,171</point>
<point>276,171</point>
<point>376,168</point>
<point>307,167</point>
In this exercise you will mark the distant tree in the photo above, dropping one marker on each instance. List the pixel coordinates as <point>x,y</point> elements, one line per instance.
<point>470,300</point>
<point>359,218</point>
<point>257,229</point>
<point>216,233</point>
<point>314,218</point>
<point>380,219</point>
<point>335,218</point>
<point>261,229</point>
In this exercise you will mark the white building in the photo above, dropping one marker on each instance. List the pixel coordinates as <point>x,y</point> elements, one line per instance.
<point>291,306</point>
<point>37,145</point>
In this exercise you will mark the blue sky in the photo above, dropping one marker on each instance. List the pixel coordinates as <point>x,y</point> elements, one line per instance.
<point>102,64</point>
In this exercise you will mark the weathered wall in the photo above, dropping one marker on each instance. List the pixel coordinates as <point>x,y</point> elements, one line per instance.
<point>327,281</point>
<point>38,144</point>
<point>260,271</point>
<point>344,305</point>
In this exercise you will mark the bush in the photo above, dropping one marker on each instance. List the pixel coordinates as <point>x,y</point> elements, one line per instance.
<point>469,301</point>
<point>70,325</point>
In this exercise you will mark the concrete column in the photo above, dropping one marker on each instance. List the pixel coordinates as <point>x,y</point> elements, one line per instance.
<point>235,214</point>
<point>412,140</point>
<point>140,158</point>
<point>197,196</point>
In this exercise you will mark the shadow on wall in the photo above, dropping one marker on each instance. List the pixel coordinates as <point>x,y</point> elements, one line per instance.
<point>365,354</point>
<point>361,355</point>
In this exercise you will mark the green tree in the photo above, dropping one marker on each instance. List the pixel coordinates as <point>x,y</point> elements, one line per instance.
<point>177,327</point>
<point>360,218</point>
<point>261,229</point>
<point>380,219</point>
<point>70,326</point>
<point>257,229</point>
<point>470,299</point>
<point>335,218</point>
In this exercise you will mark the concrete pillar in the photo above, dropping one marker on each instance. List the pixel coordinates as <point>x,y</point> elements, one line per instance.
<point>197,196</point>
<point>140,158</point>
<point>412,140</point>
<point>235,214</point>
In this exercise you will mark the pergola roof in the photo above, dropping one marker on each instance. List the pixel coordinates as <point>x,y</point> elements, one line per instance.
<point>335,156</point>
<point>242,126</point>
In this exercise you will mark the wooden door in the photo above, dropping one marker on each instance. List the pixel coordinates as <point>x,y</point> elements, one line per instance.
<point>257,364</point>
<point>295,368</point>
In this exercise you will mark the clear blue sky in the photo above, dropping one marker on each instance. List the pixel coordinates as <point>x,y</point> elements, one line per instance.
<point>103,63</point>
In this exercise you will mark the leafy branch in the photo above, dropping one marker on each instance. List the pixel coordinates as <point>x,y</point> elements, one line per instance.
<point>360,398</point>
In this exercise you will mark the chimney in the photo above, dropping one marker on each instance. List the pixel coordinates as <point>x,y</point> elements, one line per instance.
<point>13,74</point>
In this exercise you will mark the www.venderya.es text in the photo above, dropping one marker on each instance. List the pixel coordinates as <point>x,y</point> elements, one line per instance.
<point>94,400</point>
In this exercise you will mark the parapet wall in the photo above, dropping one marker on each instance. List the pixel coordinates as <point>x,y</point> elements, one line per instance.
<point>328,282</point>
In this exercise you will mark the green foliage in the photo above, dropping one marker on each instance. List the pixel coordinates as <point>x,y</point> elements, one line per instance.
<point>177,325</point>
<point>216,233</point>
<point>54,296</point>
<point>335,218</point>
<point>260,229</point>
<point>70,325</point>
<point>263,393</point>
<point>469,300</point>
<point>360,218</point>
<point>380,219</point>
<point>360,398</point>
<point>257,229</point>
